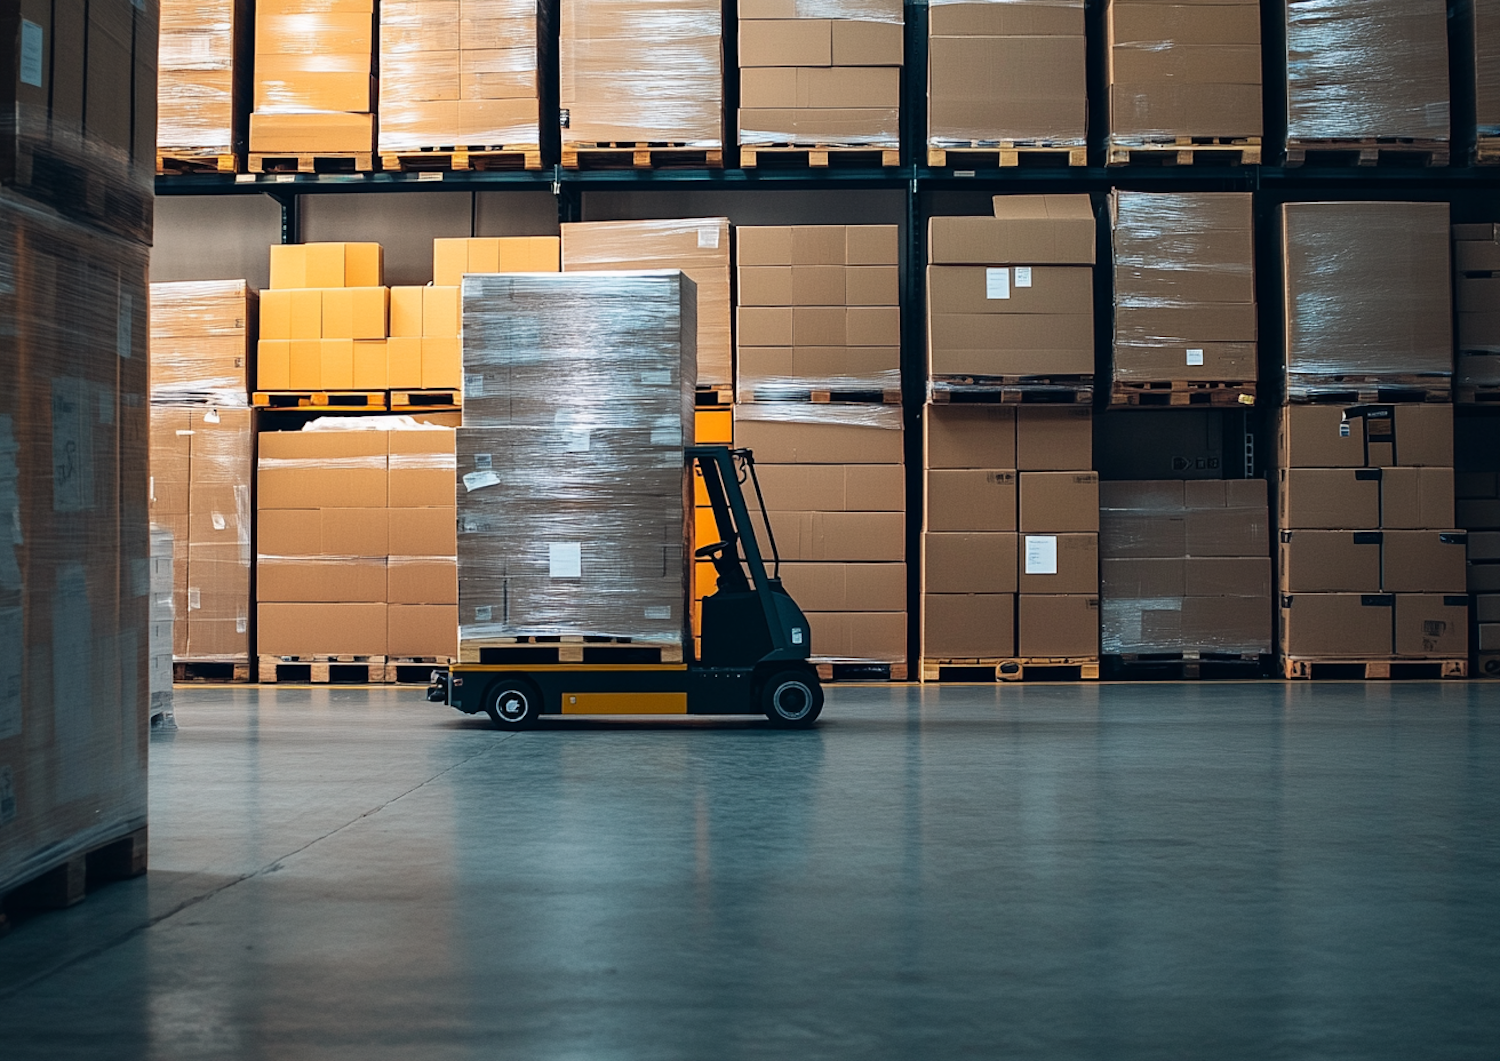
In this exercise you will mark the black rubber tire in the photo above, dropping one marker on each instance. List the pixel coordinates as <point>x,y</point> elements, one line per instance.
<point>512,704</point>
<point>792,698</point>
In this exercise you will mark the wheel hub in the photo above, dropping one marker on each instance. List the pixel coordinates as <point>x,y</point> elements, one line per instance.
<point>793,700</point>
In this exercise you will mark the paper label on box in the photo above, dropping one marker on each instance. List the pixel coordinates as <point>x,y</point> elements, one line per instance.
<point>31,54</point>
<point>125,325</point>
<point>659,612</point>
<point>796,635</point>
<point>474,385</point>
<point>211,417</point>
<point>72,446</point>
<point>219,521</point>
<point>1195,357</point>
<point>484,461</point>
<point>1344,429</point>
<point>484,613</point>
<point>479,480</point>
<point>241,624</point>
<point>997,283</point>
<point>195,598</point>
<point>12,652</point>
<point>1023,276</point>
<point>565,560</point>
<point>708,239</point>
<point>1041,554</point>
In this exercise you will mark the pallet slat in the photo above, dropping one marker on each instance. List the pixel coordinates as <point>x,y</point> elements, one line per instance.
<point>1005,154</point>
<point>1011,390</point>
<point>872,396</point>
<point>172,162</point>
<point>831,671</point>
<point>418,400</point>
<point>463,159</point>
<point>719,394</point>
<point>640,156</point>
<point>319,399</point>
<point>1487,151</point>
<point>210,671</point>
<point>311,162</point>
<point>1182,392</point>
<point>1186,150</point>
<point>1367,151</point>
<point>70,880</point>
<point>819,156</point>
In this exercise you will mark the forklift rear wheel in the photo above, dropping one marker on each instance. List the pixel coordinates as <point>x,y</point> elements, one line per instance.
<point>792,698</point>
<point>512,704</point>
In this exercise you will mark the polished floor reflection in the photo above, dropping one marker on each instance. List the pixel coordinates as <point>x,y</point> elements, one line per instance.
<point>1078,872</point>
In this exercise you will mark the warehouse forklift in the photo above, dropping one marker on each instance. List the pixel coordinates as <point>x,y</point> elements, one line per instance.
<point>753,659</point>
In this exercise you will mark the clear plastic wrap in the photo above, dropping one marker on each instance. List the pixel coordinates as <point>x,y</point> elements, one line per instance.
<point>1184,266</point>
<point>200,342</point>
<point>1367,292</point>
<point>846,414</point>
<point>199,75</point>
<point>312,58</point>
<point>574,510</point>
<point>74,541</point>
<point>633,72</point>
<point>161,612</point>
<point>1362,69</point>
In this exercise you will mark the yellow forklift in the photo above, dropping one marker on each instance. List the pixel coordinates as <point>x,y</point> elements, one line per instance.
<point>755,641</point>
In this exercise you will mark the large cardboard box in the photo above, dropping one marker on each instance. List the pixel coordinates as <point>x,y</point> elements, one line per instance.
<point>970,562</point>
<point>314,77</point>
<point>1328,498</point>
<point>1059,502</point>
<point>1338,625</point>
<point>203,83</point>
<point>970,437</point>
<point>820,434</point>
<point>1366,436</point>
<point>1058,563</point>
<point>1432,625</point>
<point>1057,626</point>
<point>878,637</point>
<point>968,625</point>
<point>1054,439</point>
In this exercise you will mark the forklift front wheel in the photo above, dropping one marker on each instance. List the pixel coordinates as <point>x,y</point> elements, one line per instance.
<point>512,704</point>
<point>792,698</point>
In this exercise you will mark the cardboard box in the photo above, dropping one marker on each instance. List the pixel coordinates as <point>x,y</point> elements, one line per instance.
<point>841,587</point>
<point>326,265</point>
<point>1329,498</point>
<point>1026,87</point>
<point>1484,578</point>
<point>978,436</point>
<point>1054,439</point>
<point>968,625</point>
<point>422,630</point>
<point>321,629</point>
<point>1026,230</point>
<point>1338,625</point>
<point>833,487</point>
<point>973,500</point>
<point>1315,561</point>
<point>840,535</point>
<point>453,258</point>
<point>1416,498</point>
<point>820,438</point>
<point>1163,625</point>
<point>1056,502</point>
<point>1484,545</point>
<point>1061,563</point>
<point>1423,561</point>
<point>1054,627</point>
<point>1432,625</point>
<point>969,562</point>
<point>878,637</point>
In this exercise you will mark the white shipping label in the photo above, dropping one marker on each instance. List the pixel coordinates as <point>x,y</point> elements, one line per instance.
<point>218,520</point>
<point>997,283</point>
<point>708,239</point>
<point>1195,357</point>
<point>565,560</point>
<point>484,461</point>
<point>576,440</point>
<point>1041,554</point>
<point>474,385</point>
<point>31,54</point>
<point>211,417</point>
<point>479,480</point>
<point>659,612</point>
<point>1023,276</point>
<point>1344,429</point>
<point>195,598</point>
<point>484,614</point>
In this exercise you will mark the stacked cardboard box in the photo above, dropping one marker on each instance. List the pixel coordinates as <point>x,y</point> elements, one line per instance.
<point>1487,76</point>
<point>1184,287</point>
<point>1367,296</point>
<point>314,77</point>
<point>1002,71</point>
<point>1362,69</point>
<point>1012,295</point>
<point>642,73</point>
<point>1370,566</point>
<point>204,81</point>
<point>824,73</point>
<point>835,492</point>
<point>697,246</point>
<point>819,310</point>
<point>467,77</point>
<point>1479,515</point>
<point>355,540</point>
<point>1185,568</point>
<point>574,504</point>
<point>1183,68</point>
<point>1476,282</point>
<point>159,615</point>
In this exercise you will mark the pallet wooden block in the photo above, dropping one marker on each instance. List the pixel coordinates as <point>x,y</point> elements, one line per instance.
<point>640,156</point>
<point>1186,150</point>
<point>1487,151</point>
<point>1182,392</point>
<point>1005,154</point>
<point>718,394</point>
<point>820,156</point>
<point>170,162</point>
<point>312,162</point>
<point>462,159</point>
<point>69,880</point>
<point>1368,151</point>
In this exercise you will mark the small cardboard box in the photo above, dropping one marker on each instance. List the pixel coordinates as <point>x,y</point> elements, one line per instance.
<point>1423,561</point>
<point>968,625</point>
<point>1063,563</point>
<point>1326,561</point>
<point>1338,625</point>
<point>1059,501</point>
<point>969,562</point>
<point>1432,625</point>
<point>1065,627</point>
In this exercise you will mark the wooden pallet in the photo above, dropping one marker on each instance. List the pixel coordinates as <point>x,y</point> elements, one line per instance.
<point>1005,154</point>
<point>566,649</point>
<point>1186,666</point>
<point>1368,151</point>
<point>1366,390</point>
<point>368,400</point>
<point>871,396</point>
<point>1297,668</point>
<point>819,156</point>
<point>312,162</point>
<point>463,159</point>
<point>1186,151</point>
<point>69,881</point>
<point>1213,394</point>
<point>709,397</point>
<point>1037,668</point>
<point>170,162</point>
<point>1011,390</point>
<point>1477,395</point>
<point>210,671</point>
<point>413,670</point>
<point>640,156</point>
<point>321,670</point>
<point>425,400</point>
<point>1487,151</point>
<point>848,670</point>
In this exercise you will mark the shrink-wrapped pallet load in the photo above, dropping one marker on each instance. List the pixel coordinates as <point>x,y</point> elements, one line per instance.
<point>204,81</point>
<point>314,78</point>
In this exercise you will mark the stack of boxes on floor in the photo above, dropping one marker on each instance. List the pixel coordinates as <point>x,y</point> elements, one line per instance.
<point>574,504</point>
<point>202,456</point>
<point>314,77</point>
<point>818,315</point>
<point>1001,72</point>
<point>1476,282</point>
<point>204,78</point>
<point>827,75</point>
<point>1370,566</point>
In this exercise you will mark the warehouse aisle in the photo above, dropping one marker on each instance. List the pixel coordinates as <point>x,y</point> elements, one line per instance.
<point>1231,871</point>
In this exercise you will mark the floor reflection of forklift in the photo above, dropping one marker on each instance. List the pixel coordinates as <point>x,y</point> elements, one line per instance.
<point>755,640</point>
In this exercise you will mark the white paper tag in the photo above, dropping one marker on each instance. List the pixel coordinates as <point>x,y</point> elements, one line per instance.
<point>484,461</point>
<point>241,624</point>
<point>484,613</point>
<point>31,54</point>
<point>478,480</point>
<point>1344,429</point>
<point>211,417</point>
<point>195,598</point>
<point>1195,357</point>
<point>796,635</point>
<point>659,612</point>
<point>1023,276</point>
<point>708,239</point>
<point>1041,554</point>
<point>997,283</point>
<point>219,521</point>
<point>474,385</point>
<point>565,560</point>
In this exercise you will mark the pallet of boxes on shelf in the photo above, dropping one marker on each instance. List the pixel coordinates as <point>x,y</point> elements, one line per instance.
<point>1010,302</point>
<point>820,83</point>
<point>1185,312</point>
<point>574,503</point>
<point>462,93</point>
<point>1476,292</point>
<point>1184,82</point>
<point>1367,79</point>
<point>202,460</point>
<point>1010,565</point>
<point>1486,24</point>
<point>314,86</point>
<point>1006,81</point>
<point>204,85</point>
<point>642,84</point>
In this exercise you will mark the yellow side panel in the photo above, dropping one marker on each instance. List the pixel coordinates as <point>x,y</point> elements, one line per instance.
<point>624,703</point>
<point>713,427</point>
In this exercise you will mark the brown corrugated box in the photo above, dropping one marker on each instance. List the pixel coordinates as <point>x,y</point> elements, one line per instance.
<point>846,587</point>
<point>811,442</point>
<point>840,535</point>
<point>321,629</point>
<point>1432,625</point>
<point>818,245</point>
<point>1329,498</point>
<point>1423,561</point>
<point>1055,502</point>
<point>1328,561</point>
<point>1054,439</point>
<point>964,499</point>
<point>833,487</point>
<point>979,436</point>
<point>1375,436</point>
<point>968,625</point>
<point>969,562</point>
<point>1058,563</point>
<point>877,636</point>
<point>1333,625</point>
<point>1057,626</point>
<point>1026,230</point>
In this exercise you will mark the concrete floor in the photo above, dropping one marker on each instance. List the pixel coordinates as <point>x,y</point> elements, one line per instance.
<point>1094,872</point>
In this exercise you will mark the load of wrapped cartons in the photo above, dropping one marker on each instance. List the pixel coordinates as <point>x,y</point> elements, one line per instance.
<point>1184,74</point>
<point>1366,70</point>
<point>1185,311</point>
<point>697,246</point>
<point>1476,290</point>
<point>1487,79</point>
<point>574,503</point>
<point>1007,72</point>
<point>819,311</point>
<point>1185,568</point>
<point>465,75</point>
<point>204,80</point>
<point>1368,298</point>
<point>642,73</point>
<point>823,73</point>
<point>314,78</point>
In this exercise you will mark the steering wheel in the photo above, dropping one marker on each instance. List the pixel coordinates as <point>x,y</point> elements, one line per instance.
<point>710,552</point>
